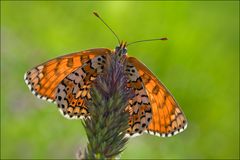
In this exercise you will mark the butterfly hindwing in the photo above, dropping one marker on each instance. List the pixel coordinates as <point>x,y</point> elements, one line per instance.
<point>167,117</point>
<point>74,90</point>
<point>139,106</point>
<point>44,79</point>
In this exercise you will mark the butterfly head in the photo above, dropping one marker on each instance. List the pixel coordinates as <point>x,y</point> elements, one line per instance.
<point>121,49</point>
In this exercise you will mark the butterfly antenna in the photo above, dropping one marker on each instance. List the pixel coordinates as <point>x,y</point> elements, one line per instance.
<point>97,15</point>
<point>155,39</point>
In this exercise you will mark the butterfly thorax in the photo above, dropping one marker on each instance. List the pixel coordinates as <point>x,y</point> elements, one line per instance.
<point>121,49</point>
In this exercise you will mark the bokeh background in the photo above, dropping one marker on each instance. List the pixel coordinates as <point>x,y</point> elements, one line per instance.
<point>199,64</point>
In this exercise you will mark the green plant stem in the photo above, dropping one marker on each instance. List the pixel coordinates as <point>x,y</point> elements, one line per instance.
<point>107,124</point>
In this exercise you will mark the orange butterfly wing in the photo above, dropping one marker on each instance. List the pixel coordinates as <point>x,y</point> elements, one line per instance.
<point>43,79</point>
<point>167,117</point>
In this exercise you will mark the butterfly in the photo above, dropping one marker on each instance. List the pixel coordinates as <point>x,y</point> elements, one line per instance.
<point>67,81</point>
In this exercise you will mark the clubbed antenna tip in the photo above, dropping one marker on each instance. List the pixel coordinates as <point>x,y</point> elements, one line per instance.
<point>165,38</point>
<point>96,14</point>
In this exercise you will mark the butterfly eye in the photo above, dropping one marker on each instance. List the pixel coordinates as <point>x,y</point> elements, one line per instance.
<point>124,52</point>
<point>117,49</point>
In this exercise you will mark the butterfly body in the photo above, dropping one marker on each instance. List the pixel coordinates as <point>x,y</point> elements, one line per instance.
<point>67,81</point>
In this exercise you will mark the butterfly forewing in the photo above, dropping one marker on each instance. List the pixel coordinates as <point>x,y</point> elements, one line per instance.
<point>44,79</point>
<point>167,117</point>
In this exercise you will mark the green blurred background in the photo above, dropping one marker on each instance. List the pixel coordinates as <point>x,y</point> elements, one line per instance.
<point>199,64</point>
